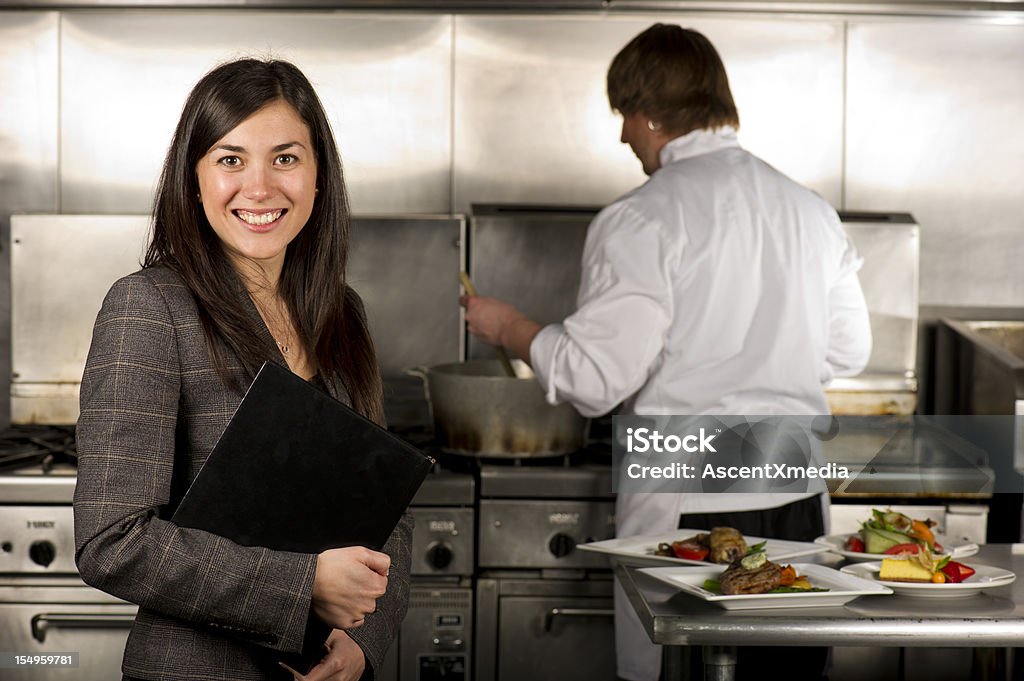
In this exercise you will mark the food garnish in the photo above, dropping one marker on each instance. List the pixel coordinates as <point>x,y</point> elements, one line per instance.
<point>924,566</point>
<point>893,533</point>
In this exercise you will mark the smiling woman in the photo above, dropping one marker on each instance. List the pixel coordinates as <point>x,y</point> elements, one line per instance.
<point>248,252</point>
<point>257,186</point>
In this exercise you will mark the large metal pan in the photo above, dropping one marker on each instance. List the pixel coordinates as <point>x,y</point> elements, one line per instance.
<point>479,411</point>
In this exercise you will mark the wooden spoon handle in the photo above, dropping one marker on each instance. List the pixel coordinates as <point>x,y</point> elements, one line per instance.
<point>506,363</point>
<point>467,283</point>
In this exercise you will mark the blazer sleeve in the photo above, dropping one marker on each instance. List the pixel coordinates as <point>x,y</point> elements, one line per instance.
<point>381,627</point>
<point>130,403</point>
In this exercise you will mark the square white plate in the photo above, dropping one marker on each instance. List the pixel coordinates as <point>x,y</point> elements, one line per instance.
<point>841,587</point>
<point>639,550</point>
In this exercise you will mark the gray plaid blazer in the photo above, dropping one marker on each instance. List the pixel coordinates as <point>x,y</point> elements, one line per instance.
<point>152,408</point>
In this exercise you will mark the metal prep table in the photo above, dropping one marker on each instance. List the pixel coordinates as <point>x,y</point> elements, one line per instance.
<point>991,619</point>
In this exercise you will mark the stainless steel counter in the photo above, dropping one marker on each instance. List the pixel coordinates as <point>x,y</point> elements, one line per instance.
<point>991,619</point>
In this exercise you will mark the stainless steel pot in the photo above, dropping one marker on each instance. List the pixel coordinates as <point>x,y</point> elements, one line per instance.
<point>479,411</point>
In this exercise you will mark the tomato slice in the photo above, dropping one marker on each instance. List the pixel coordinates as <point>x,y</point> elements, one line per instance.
<point>855,544</point>
<point>902,548</point>
<point>690,550</point>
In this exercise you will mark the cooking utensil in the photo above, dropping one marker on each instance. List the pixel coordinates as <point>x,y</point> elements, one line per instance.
<point>467,284</point>
<point>479,411</point>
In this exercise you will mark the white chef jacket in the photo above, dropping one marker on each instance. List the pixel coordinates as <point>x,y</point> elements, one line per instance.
<point>721,287</point>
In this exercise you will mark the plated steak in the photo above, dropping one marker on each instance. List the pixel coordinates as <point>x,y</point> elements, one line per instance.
<point>760,577</point>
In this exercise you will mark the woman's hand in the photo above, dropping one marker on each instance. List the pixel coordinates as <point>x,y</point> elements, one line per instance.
<point>344,661</point>
<point>347,584</point>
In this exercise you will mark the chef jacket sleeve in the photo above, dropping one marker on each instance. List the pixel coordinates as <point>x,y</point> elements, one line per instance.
<point>605,351</point>
<point>126,440</point>
<point>849,341</point>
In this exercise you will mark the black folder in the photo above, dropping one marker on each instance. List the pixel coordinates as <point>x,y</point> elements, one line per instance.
<point>297,470</point>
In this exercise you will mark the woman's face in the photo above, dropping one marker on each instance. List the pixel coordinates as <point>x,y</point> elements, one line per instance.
<point>257,185</point>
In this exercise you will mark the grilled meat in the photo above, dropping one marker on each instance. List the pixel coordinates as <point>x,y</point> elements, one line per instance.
<point>726,544</point>
<point>754,574</point>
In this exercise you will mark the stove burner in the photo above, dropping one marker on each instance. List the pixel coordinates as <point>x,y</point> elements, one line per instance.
<point>466,463</point>
<point>45,446</point>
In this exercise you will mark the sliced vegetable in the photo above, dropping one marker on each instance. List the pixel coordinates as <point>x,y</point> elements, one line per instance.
<point>854,543</point>
<point>690,550</point>
<point>901,549</point>
<point>877,540</point>
<point>921,529</point>
<point>788,576</point>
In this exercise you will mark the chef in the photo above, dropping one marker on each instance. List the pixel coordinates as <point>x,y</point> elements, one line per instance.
<point>719,286</point>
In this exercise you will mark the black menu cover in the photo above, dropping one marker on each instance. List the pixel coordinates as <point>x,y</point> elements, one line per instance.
<point>297,470</point>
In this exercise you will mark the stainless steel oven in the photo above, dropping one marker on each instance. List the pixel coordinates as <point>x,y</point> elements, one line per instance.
<point>540,602</point>
<point>45,608</point>
<point>60,615</point>
<point>435,641</point>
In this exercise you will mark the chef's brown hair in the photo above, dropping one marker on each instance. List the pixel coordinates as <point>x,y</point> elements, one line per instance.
<point>674,76</point>
<point>327,313</point>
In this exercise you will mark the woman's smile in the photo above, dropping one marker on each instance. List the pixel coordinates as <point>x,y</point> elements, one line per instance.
<point>260,220</point>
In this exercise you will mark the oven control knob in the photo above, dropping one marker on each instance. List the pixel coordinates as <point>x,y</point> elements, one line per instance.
<point>42,552</point>
<point>439,555</point>
<point>561,545</point>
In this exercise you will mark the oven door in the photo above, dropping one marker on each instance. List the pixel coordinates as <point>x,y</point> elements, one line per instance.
<point>51,620</point>
<point>540,628</point>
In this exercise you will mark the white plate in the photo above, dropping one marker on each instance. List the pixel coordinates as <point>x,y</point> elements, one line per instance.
<point>985,577</point>
<point>836,542</point>
<point>841,587</point>
<point>639,550</point>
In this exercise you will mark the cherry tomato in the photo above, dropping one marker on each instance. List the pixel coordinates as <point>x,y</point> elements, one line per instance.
<point>902,548</point>
<point>855,544</point>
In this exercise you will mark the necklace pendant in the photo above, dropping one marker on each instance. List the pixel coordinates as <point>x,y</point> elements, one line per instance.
<point>284,348</point>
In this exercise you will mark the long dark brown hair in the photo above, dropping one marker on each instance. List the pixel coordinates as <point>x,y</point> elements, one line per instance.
<point>328,315</point>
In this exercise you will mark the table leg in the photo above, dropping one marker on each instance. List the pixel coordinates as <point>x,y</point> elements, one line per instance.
<point>719,663</point>
<point>988,664</point>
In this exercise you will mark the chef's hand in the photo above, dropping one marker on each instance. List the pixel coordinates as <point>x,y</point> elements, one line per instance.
<point>488,318</point>
<point>344,661</point>
<point>347,584</point>
<point>497,323</point>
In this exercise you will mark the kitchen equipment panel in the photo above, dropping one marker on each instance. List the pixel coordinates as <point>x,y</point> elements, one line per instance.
<point>542,533</point>
<point>61,268</point>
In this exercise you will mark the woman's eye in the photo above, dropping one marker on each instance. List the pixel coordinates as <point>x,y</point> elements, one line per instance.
<point>286,159</point>
<point>230,161</point>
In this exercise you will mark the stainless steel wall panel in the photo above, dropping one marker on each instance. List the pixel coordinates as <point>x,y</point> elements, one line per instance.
<point>28,114</point>
<point>934,115</point>
<point>532,122</point>
<point>406,270</point>
<point>889,278</point>
<point>384,80</point>
<point>61,268</point>
<point>28,133</point>
<point>530,258</point>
